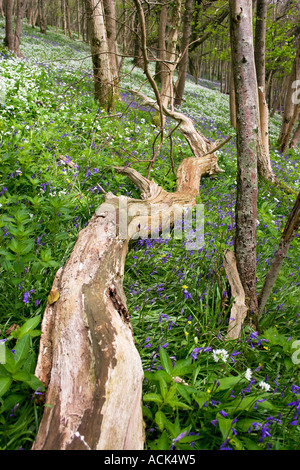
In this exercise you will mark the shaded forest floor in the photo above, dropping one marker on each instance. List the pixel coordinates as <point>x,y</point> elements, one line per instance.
<point>240,395</point>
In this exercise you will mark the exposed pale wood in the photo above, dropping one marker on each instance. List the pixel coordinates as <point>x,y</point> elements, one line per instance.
<point>88,361</point>
<point>238,310</point>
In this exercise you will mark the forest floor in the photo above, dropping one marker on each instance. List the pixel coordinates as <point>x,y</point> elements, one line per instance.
<point>230,394</point>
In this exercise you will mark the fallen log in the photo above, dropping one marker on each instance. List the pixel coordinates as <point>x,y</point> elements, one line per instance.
<point>88,361</point>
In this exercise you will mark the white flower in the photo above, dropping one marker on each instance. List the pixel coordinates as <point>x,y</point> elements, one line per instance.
<point>264,386</point>
<point>220,354</point>
<point>248,374</point>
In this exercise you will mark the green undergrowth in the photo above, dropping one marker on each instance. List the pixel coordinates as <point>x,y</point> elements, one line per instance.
<point>200,391</point>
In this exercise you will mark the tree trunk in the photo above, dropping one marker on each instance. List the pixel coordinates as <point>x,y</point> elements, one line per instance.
<point>78,18</point>
<point>67,7</point>
<point>64,16</point>
<point>111,31</point>
<point>87,361</point>
<point>182,66</point>
<point>289,105</point>
<point>238,310</point>
<point>9,33</point>
<point>291,227</point>
<point>42,17</point>
<point>296,136</point>
<point>18,30</point>
<point>103,82</point>
<point>247,146</point>
<point>232,100</point>
<point>161,53</point>
<point>1,9</point>
<point>168,67</point>
<point>264,164</point>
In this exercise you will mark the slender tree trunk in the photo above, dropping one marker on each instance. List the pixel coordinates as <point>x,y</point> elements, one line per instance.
<point>18,30</point>
<point>241,35</point>
<point>291,227</point>
<point>276,104</point>
<point>260,54</point>
<point>232,100</point>
<point>167,91</point>
<point>68,18</point>
<point>289,105</point>
<point>161,53</point>
<point>296,136</point>
<point>111,31</point>
<point>1,8</point>
<point>78,19</point>
<point>41,7</point>
<point>9,33</point>
<point>103,81</point>
<point>64,16</point>
<point>182,66</point>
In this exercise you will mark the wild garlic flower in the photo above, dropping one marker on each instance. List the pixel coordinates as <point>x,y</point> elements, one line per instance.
<point>264,386</point>
<point>220,354</point>
<point>248,374</point>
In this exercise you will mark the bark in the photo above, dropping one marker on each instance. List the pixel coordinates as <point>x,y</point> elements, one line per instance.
<point>182,66</point>
<point>232,101</point>
<point>78,19</point>
<point>264,163</point>
<point>64,16</point>
<point>247,146</point>
<point>295,138</point>
<point>41,7</point>
<point>289,105</point>
<point>291,228</point>
<point>68,17</point>
<point>169,63</point>
<point>1,9</point>
<point>18,30</point>
<point>103,82</point>
<point>87,361</point>
<point>239,310</point>
<point>9,34</point>
<point>161,52</point>
<point>111,30</point>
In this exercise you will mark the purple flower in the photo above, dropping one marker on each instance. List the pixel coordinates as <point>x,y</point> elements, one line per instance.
<point>27,296</point>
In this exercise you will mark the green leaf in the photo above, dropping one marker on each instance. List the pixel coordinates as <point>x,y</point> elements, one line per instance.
<point>163,443</point>
<point>165,361</point>
<point>153,397</point>
<point>201,398</point>
<point>21,375</point>
<point>225,426</point>
<point>28,326</point>
<point>228,382</point>
<point>160,419</point>
<point>179,404</point>
<point>5,383</point>
<point>11,401</point>
<point>34,383</point>
<point>250,445</point>
<point>21,351</point>
<point>183,367</point>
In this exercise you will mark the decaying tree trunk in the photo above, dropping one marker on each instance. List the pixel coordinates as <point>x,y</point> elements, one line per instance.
<point>239,310</point>
<point>87,361</point>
